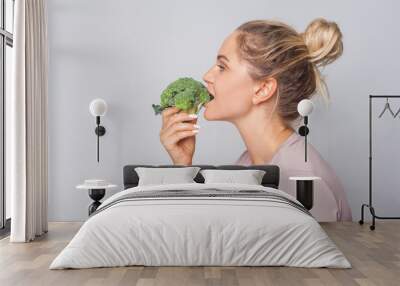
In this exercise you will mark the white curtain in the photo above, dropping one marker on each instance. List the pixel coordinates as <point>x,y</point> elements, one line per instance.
<point>26,129</point>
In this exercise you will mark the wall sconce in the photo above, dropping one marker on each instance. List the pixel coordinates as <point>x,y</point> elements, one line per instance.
<point>98,107</point>
<point>305,107</point>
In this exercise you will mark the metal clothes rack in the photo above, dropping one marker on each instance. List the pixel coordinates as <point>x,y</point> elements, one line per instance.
<point>369,205</point>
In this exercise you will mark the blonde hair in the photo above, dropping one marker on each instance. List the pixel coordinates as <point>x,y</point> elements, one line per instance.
<point>274,49</point>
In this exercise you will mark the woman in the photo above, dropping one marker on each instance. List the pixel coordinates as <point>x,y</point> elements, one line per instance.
<point>263,70</point>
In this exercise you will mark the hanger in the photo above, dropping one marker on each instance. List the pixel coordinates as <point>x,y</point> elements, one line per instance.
<point>387,106</point>
<point>398,111</point>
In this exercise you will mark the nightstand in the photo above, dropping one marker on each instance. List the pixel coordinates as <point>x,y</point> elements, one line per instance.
<point>305,190</point>
<point>96,193</point>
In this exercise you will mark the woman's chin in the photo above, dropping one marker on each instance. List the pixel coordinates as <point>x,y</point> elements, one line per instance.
<point>209,114</point>
<point>206,113</point>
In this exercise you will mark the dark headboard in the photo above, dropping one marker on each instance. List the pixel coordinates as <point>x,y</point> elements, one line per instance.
<point>270,179</point>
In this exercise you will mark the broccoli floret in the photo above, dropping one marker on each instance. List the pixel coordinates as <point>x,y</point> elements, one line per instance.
<point>186,94</point>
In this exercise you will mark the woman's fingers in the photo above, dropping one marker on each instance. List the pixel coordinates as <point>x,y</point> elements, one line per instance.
<point>167,113</point>
<point>176,126</point>
<point>180,126</point>
<point>177,136</point>
<point>179,117</point>
<point>171,136</point>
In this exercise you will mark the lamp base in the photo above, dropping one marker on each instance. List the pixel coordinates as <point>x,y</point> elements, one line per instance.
<point>100,130</point>
<point>303,130</point>
<point>96,195</point>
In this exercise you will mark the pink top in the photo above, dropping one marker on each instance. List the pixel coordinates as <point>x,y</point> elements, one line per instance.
<point>330,202</point>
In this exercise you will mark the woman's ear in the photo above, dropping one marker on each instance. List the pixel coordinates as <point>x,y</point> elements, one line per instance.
<point>264,90</point>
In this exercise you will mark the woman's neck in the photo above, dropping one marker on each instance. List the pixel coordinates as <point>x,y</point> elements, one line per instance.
<point>262,136</point>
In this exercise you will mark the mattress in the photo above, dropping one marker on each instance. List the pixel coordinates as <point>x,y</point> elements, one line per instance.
<point>194,224</point>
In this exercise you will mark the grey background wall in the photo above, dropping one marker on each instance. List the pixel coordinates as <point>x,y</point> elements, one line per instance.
<point>126,52</point>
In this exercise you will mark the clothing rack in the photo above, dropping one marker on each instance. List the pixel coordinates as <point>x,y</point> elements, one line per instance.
<point>369,205</point>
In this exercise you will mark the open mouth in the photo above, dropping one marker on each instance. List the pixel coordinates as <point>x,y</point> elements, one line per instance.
<point>211,98</point>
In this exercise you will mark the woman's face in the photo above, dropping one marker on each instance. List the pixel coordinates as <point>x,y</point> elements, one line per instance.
<point>229,82</point>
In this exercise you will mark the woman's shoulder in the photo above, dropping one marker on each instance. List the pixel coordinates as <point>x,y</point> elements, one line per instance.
<point>292,156</point>
<point>244,159</point>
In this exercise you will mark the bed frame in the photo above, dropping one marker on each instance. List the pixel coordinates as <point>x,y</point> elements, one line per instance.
<point>270,179</point>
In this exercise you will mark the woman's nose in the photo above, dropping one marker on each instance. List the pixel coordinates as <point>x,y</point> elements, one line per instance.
<point>207,77</point>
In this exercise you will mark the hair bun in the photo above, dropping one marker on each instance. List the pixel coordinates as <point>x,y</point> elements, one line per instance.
<point>324,41</point>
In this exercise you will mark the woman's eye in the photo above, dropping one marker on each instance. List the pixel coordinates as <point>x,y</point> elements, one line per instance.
<point>221,67</point>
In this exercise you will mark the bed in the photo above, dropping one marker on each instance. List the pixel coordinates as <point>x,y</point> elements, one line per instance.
<point>201,224</point>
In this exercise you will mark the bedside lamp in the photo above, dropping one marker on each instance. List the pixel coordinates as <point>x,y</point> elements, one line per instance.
<point>305,107</point>
<point>98,107</point>
<point>305,185</point>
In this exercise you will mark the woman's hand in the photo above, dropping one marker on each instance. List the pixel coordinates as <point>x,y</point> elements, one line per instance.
<point>177,135</point>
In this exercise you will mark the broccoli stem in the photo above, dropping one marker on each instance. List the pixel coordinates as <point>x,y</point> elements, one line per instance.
<point>192,110</point>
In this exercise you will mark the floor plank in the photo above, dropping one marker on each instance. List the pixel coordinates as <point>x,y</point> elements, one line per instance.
<point>374,255</point>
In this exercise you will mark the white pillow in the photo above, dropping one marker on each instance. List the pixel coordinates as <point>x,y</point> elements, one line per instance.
<point>161,176</point>
<point>248,176</point>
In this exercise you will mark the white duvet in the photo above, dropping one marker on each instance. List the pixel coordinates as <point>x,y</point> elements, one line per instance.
<point>200,231</point>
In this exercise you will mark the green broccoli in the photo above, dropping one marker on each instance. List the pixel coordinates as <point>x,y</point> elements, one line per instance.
<point>186,94</point>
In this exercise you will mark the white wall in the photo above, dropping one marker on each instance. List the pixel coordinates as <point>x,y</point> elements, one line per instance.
<point>128,51</point>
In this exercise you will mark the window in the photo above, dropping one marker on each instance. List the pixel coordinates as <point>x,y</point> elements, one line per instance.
<point>6,60</point>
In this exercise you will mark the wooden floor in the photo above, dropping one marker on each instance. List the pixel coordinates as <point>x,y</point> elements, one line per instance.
<point>374,255</point>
